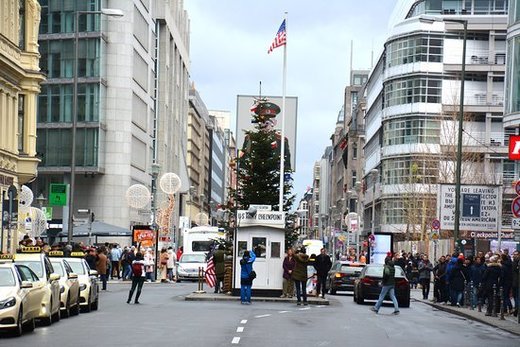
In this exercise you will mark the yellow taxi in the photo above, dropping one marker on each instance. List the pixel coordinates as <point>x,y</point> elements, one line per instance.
<point>40,264</point>
<point>20,295</point>
<point>88,283</point>
<point>69,284</point>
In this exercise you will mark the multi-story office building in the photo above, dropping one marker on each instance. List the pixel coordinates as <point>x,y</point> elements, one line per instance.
<point>412,102</point>
<point>19,87</point>
<point>319,211</point>
<point>512,97</point>
<point>127,114</point>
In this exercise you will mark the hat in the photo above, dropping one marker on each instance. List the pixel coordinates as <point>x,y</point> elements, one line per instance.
<point>460,257</point>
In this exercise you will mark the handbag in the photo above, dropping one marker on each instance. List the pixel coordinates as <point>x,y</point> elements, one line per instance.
<point>252,275</point>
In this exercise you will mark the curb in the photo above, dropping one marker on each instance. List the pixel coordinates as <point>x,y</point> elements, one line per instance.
<point>211,297</point>
<point>512,329</point>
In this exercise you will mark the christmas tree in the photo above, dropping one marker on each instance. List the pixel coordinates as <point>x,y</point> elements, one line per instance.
<point>258,162</point>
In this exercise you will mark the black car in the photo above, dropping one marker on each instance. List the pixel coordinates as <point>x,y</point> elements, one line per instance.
<point>342,276</point>
<point>368,285</point>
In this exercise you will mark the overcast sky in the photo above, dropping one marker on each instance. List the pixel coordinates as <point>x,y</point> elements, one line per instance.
<point>228,53</point>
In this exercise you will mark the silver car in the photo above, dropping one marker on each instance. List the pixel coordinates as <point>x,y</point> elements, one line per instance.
<point>189,264</point>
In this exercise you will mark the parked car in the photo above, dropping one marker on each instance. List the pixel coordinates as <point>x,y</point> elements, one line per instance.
<point>21,294</point>
<point>369,283</point>
<point>188,266</point>
<point>342,276</point>
<point>88,282</point>
<point>69,284</point>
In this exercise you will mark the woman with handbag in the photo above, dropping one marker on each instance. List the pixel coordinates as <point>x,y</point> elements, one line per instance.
<point>163,265</point>
<point>247,276</point>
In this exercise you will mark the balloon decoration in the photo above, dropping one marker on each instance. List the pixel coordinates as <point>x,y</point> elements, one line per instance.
<point>138,196</point>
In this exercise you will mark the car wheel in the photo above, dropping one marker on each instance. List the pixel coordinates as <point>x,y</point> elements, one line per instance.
<point>332,290</point>
<point>359,300</point>
<point>66,312</point>
<point>95,304</point>
<point>88,307</point>
<point>19,327</point>
<point>75,310</point>
<point>30,325</point>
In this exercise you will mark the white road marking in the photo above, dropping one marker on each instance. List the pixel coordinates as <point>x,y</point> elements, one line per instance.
<point>263,316</point>
<point>320,306</point>
<point>283,311</point>
<point>305,308</point>
<point>235,340</point>
<point>240,329</point>
<point>243,321</point>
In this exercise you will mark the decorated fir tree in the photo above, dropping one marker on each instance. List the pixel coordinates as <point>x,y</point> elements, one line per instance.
<point>258,162</point>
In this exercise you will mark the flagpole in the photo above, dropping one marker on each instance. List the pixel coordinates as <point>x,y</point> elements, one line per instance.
<point>282,140</point>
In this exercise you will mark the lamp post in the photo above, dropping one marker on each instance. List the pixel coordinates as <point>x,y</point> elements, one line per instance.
<point>459,133</point>
<point>107,12</point>
<point>155,227</point>
<point>374,173</point>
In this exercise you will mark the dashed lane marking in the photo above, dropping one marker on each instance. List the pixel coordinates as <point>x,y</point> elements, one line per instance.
<point>283,311</point>
<point>263,316</point>
<point>243,321</point>
<point>235,340</point>
<point>304,309</point>
<point>240,329</point>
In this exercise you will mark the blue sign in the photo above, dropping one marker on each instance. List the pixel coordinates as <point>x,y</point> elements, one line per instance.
<point>471,205</point>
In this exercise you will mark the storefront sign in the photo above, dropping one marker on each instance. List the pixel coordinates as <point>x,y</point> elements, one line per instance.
<point>486,235</point>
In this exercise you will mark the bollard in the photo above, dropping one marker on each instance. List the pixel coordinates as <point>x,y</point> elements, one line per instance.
<point>501,300</point>
<point>200,289</point>
<point>493,302</point>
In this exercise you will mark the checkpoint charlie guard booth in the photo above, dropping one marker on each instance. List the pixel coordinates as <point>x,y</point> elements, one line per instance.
<point>264,233</point>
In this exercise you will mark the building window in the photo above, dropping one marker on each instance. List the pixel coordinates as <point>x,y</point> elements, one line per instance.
<point>354,178</point>
<point>410,170</point>
<point>408,131</point>
<point>413,90</point>
<point>21,123</point>
<point>513,76</point>
<point>21,12</point>
<point>55,144</point>
<point>55,103</point>
<point>412,49</point>
<point>354,151</point>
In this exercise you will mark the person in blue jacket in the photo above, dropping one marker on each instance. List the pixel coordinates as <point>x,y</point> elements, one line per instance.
<point>246,282</point>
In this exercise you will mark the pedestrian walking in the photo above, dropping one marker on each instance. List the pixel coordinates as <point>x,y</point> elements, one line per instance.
<point>475,276</point>
<point>456,281</point>
<point>102,266</point>
<point>439,284</point>
<point>425,268</point>
<point>246,276</point>
<point>163,265</point>
<point>299,276</point>
<point>490,282</point>
<point>506,282</point>
<point>138,278</point>
<point>172,261</point>
<point>115,258</point>
<point>388,283</point>
<point>322,264</point>
<point>288,266</point>
<point>514,287</point>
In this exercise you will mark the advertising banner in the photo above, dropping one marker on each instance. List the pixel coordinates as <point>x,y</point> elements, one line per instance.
<point>143,236</point>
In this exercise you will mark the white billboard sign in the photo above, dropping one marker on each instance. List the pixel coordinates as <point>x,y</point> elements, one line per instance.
<point>479,207</point>
<point>244,103</point>
<point>273,219</point>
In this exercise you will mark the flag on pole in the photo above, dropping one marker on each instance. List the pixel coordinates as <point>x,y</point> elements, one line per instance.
<point>210,277</point>
<point>280,39</point>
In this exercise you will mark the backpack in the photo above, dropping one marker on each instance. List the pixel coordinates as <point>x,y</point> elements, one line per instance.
<point>137,269</point>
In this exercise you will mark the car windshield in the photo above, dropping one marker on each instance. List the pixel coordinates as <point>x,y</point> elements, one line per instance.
<point>36,266</point>
<point>77,267</point>
<point>58,268</point>
<point>201,246</point>
<point>193,258</point>
<point>6,278</point>
<point>377,271</point>
<point>349,270</point>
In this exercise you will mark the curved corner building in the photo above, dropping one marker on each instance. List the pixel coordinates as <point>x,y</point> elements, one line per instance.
<point>413,100</point>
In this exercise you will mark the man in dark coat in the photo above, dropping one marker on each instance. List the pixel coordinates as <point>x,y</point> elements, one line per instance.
<point>516,291</point>
<point>490,281</point>
<point>439,283</point>
<point>322,264</point>
<point>456,280</point>
<point>506,282</point>
<point>219,258</point>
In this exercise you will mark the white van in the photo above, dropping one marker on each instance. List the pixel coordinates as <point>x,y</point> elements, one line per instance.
<point>312,246</point>
<point>199,239</point>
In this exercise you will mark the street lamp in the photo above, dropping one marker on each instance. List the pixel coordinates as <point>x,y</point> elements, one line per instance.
<point>458,167</point>
<point>155,173</point>
<point>107,12</point>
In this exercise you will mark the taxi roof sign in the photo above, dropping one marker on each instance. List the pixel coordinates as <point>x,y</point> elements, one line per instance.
<point>77,254</point>
<point>6,257</point>
<point>32,249</point>
<point>56,254</point>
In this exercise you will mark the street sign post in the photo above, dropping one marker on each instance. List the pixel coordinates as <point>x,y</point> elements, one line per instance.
<point>58,194</point>
<point>436,224</point>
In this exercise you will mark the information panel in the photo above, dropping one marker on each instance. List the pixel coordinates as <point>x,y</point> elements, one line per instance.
<point>479,207</point>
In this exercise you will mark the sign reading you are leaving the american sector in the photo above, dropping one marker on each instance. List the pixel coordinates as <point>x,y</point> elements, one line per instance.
<point>479,207</point>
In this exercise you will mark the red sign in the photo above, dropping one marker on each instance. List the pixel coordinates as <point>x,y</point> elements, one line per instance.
<point>515,207</point>
<point>436,224</point>
<point>144,236</point>
<point>517,187</point>
<point>514,147</point>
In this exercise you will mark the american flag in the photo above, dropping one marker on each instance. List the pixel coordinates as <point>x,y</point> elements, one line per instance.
<point>211,277</point>
<point>280,38</point>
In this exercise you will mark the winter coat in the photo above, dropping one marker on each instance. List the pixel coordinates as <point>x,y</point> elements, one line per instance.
<point>507,274</point>
<point>300,270</point>
<point>440,271</point>
<point>425,269</point>
<point>322,264</point>
<point>516,268</point>
<point>476,273</point>
<point>172,259</point>
<point>246,264</point>
<point>491,277</point>
<point>288,265</point>
<point>219,258</point>
<point>101,264</point>
<point>389,274</point>
<point>457,278</point>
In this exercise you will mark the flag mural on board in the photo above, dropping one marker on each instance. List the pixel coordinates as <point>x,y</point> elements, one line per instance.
<point>210,277</point>
<point>280,39</point>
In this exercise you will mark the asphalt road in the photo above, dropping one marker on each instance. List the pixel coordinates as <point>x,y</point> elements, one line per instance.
<point>164,317</point>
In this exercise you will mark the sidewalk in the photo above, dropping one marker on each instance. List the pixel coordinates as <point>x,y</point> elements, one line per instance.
<point>509,324</point>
